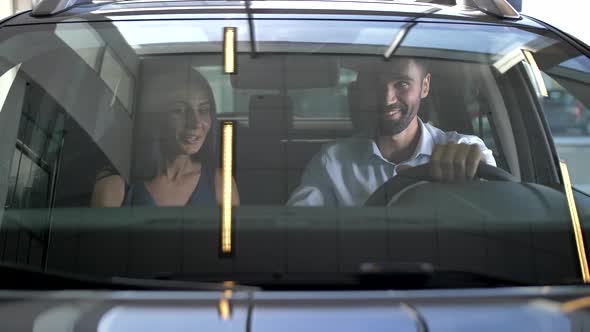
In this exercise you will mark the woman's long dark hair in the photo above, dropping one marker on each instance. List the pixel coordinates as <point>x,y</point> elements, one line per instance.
<point>152,157</point>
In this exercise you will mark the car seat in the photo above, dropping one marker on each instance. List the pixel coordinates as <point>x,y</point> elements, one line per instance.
<point>261,156</point>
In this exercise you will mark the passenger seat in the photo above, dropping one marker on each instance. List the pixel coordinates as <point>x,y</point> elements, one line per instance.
<point>261,172</point>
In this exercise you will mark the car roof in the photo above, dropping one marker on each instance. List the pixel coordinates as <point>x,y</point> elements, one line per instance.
<point>98,10</point>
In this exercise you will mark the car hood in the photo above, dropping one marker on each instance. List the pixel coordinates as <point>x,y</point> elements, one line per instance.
<point>506,309</point>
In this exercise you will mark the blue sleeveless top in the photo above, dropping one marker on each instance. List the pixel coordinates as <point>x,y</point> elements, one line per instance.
<point>204,194</point>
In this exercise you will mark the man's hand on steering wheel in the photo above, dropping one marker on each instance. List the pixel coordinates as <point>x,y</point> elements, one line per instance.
<point>465,163</point>
<point>454,162</point>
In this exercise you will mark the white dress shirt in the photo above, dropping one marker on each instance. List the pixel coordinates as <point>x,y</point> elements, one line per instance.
<point>347,172</point>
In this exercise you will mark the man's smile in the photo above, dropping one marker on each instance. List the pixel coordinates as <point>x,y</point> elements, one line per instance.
<point>392,112</point>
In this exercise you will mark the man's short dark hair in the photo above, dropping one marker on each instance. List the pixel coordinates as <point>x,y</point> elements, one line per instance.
<point>422,64</point>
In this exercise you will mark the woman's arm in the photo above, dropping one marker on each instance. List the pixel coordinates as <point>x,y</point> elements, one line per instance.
<point>109,191</point>
<point>235,196</point>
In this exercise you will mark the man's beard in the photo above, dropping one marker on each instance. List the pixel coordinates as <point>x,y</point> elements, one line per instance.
<point>387,127</point>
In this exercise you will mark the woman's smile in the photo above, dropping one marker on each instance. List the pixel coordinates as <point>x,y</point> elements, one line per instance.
<point>190,138</point>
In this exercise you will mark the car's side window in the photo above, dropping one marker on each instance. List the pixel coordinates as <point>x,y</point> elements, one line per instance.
<point>308,103</point>
<point>566,115</point>
<point>228,99</point>
<point>566,107</point>
<point>324,103</point>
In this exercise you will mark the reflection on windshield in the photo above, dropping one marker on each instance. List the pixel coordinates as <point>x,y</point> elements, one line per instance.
<point>128,116</point>
<point>171,32</point>
<point>580,63</point>
<point>125,318</point>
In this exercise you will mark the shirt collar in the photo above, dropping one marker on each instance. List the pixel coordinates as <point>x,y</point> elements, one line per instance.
<point>424,147</point>
<point>426,142</point>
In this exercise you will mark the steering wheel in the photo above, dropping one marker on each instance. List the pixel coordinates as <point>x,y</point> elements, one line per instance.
<point>395,186</point>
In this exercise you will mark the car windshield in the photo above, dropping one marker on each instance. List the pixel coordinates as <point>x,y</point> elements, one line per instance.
<point>141,147</point>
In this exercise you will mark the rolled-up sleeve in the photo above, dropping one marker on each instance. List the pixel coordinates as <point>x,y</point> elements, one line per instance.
<point>315,188</point>
<point>488,155</point>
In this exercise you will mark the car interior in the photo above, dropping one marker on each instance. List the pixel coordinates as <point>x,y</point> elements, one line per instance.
<point>275,138</point>
<point>285,106</point>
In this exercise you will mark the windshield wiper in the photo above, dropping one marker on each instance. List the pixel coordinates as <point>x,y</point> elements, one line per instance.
<point>18,277</point>
<point>425,275</point>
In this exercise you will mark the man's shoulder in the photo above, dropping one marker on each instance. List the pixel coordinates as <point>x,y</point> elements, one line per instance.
<point>440,136</point>
<point>345,148</point>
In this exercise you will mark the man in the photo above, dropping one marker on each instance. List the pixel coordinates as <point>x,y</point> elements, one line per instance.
<point>347,172</point>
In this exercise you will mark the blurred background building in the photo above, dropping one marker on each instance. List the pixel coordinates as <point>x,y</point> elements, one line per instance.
<point>9,7</point>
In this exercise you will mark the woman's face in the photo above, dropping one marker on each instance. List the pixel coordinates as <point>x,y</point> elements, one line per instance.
<point>189,122</point>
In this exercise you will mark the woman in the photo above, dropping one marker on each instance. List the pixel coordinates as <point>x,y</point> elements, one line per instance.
<point>181,170</point>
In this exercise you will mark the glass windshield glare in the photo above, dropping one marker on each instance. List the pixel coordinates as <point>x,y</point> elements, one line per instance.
<point>115,133</point>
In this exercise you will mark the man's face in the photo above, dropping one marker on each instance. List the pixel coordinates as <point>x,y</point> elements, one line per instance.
<point>402,88</point>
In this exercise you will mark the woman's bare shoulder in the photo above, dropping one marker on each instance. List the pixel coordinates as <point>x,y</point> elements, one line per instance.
<point>109,191</point>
